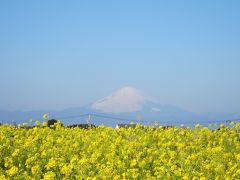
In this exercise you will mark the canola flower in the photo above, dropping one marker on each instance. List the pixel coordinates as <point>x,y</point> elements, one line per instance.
<point>126,153</point>
<point>45,117</point>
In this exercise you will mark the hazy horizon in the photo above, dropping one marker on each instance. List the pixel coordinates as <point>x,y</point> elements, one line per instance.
<point>57,55</point>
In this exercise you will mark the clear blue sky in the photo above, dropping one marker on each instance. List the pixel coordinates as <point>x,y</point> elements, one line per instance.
<point>60,54</point>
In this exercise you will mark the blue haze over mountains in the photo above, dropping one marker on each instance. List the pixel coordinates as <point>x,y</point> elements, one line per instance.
<point>105,111</point>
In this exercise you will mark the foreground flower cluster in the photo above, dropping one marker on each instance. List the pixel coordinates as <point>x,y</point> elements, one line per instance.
<point>125,153</point>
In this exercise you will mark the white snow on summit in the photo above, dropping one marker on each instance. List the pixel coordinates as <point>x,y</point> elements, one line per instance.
<point>126,99</point>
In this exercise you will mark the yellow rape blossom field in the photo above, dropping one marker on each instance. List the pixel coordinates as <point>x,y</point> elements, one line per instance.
<point>125,153</point>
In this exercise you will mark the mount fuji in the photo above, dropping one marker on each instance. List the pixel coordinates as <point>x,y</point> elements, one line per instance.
<point>129,104</point>
<point>129,100</point>
<point>133,104</point>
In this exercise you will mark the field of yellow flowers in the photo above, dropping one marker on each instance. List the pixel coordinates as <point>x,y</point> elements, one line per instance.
<point>125,153</point>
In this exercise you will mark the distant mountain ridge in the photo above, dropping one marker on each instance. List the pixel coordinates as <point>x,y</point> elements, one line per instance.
<point>124,104</point>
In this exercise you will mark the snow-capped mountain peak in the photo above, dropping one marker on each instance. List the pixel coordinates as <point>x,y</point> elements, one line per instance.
<point>126,99</point>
